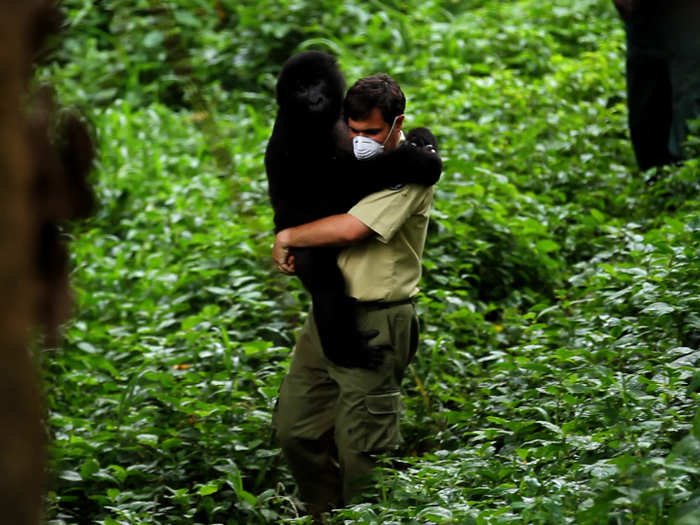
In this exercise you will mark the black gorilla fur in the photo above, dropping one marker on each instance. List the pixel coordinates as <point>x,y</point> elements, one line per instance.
<point>312,173</point>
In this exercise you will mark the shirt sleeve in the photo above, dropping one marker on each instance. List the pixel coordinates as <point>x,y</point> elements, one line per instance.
<point>386,211</point>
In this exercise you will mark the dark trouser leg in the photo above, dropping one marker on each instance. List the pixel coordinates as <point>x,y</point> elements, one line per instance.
<point>649,103</point>
<point>648,94</point>
<point>683,41</point>
<point>686,101</point>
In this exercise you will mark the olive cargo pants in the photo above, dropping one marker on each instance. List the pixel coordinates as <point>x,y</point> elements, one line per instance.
<point>329,419</point>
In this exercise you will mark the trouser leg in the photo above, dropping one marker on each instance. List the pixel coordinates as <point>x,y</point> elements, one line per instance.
<point>304,423</point>
<point>683,40</point>
<point>649,99</point>
<point>358,407</point>
<point>686,102</point>
<point>314,466</point>
<point>368,407</point>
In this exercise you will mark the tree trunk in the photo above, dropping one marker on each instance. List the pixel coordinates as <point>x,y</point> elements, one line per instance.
<point>21,433</point>
<point>43,184</point>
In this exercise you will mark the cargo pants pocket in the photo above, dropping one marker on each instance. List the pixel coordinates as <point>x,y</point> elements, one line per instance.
<point>382,427</point>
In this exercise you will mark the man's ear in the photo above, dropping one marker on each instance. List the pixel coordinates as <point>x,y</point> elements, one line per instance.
<point>396,133</point>
<point>397,129</point>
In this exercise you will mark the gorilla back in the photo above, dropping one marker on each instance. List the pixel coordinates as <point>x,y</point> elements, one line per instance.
<point>302,147</point>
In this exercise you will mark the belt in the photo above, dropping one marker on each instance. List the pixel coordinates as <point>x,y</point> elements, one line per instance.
<point>382,305</point>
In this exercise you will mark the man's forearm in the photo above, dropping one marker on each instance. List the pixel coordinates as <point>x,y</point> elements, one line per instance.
<point>336,230</point>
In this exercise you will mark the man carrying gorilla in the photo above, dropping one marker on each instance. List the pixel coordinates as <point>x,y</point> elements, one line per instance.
<point>312,173</point>
<point>330,419</point>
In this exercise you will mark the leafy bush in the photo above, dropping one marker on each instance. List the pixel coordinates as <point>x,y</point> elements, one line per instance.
<point>557,377</point>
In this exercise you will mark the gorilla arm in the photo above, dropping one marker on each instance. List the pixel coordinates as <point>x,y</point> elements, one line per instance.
<point>407,164</point>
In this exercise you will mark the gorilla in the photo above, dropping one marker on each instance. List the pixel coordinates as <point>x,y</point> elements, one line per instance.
<point>312,173</point>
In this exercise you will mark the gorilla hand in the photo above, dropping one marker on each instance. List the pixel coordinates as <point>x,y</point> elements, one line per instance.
<point>361,354</point>
<point>422,138</point>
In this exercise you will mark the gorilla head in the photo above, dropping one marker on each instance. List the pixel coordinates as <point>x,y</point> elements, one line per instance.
<point>310,89</point>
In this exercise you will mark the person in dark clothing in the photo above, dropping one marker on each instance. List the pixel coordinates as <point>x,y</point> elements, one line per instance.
<point>663,76</point>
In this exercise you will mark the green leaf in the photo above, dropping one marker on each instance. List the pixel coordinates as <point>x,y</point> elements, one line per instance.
<point>547,246</point>
<point>597,215</point>
<point>171,443</point>
<point>659,309</point>
<point>70,475</point>
<point>119,472</point>
<point>206,490</point>
<point>89,467</point>
<point>435,514</point>
<point>247,497</point>
<point>185,17</point>
<point>153,39</point>
<point>147,439</point>
<point>687,513</point>
<point>551,426</point>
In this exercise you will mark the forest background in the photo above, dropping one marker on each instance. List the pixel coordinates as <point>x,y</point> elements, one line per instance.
<point>556,381</point>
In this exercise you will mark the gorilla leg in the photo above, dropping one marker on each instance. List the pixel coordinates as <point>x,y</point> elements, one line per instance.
<point>318,270</point>
<point>334,311</point>
<point>342,342</point>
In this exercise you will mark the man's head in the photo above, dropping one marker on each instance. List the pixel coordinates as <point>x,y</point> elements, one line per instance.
<point>373,108</point>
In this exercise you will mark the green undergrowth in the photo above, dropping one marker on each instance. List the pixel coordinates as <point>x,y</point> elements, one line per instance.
<point>556,380</point>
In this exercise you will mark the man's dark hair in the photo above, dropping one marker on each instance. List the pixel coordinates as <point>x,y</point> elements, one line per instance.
<point>378,91</point>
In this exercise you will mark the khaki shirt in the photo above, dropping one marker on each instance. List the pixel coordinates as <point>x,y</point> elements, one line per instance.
<point>387,265</point>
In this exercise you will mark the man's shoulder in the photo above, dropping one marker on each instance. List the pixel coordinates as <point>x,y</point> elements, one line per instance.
<point>393,206</point>
<point>396,195</point>
<point>401,189</point>
<point>418,192</point>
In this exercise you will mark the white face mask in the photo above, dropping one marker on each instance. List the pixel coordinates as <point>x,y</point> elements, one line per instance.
<point>366,148</point>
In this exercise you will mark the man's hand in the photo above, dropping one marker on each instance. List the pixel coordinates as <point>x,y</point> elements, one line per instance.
<point>335,230</point>
<point>284,260</point>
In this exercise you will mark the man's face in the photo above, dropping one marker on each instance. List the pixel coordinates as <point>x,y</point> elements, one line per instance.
<point>376,128</point>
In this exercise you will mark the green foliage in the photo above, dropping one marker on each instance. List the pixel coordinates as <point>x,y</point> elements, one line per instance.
<point>557,376</point>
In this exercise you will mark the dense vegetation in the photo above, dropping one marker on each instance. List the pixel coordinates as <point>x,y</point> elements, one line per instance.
<point>557,376</point>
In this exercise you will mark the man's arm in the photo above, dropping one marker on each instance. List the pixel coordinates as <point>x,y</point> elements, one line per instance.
<point>336,230</point>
